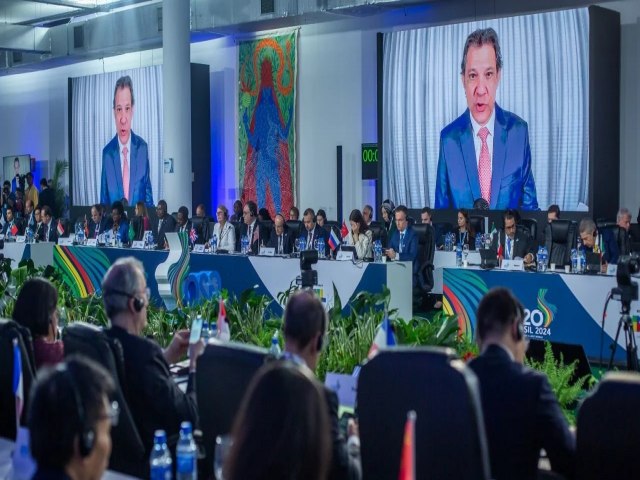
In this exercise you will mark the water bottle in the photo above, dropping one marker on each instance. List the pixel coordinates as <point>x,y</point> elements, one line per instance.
<point>244,241</point>
<point>186,454</point>
<point>275,345</point>
<point>574,260</point>
<point>214,244</point>
<point>160,457</point>
<point>478,241</point>
<point>205,331</point>
<point>582,260</point>
<point>487,241</point>
<point>321,247</point>
<point>302,242</point>
<point>545,259</point>
<point>213,330</point>
<point>539,259</point>
<point>459,255</point>
<point>447,243</point>
<point>377,251</point>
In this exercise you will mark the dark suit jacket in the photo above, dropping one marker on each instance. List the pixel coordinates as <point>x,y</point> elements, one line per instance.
<point>287,241</point>
<point>344,466</point>
<point>111,188</point>
<point>263,236</point>
<point>102,226</point>
<point>154,398</point>
<point>30,221</point>
<point>610,246</point>
<point>48,197</point>
<point>521,244</point>
<point>53,233</point>
<point>512,183</point>
<point>521,416</point>
<point>7,227</point>
<point>409,250</point>
<point>469,239</point>
<point>187,227</point>
<point>318,232</point>
<point>167,224</point>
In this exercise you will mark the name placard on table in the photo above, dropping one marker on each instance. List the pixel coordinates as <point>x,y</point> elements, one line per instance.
<point>92,242</point>
<point>138,245</point>
<point>198,248</point>
<point>267,251</point>
<point>515,265</point>
<point>21,239</point>
<point>344,256</point>
<point>65,242</point>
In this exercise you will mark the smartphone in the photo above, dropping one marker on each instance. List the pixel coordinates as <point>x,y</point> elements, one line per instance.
<point>196,330</point>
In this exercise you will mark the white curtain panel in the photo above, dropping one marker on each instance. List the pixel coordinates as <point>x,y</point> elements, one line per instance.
<point>545,81</point>
<point>93,126</point>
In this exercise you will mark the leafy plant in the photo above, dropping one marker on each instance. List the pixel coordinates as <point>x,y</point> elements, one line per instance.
<point>560,377</point>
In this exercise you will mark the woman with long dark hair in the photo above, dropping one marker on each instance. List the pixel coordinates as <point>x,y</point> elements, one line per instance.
<point>36,309</point>
<point>464,232</point>
<point>360,235</point>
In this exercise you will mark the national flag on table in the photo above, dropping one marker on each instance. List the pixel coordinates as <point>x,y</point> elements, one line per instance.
<point>344,231</point>
<point>384,338</point>
<point>17,381</point>
<point>635,322</point>
<point>224,332</point>
<point>14,230</point>
<point>408,456</point>
<point>500,251</point>
<point>334,241</point>
<point>193,236</point>
<point>60,227</point>
<point>132,232</point>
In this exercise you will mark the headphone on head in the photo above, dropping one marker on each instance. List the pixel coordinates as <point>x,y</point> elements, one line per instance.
<point>86,433</point>
<point>138,303</point>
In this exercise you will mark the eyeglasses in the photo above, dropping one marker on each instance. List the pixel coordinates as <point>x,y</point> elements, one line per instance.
<point>112,414</point>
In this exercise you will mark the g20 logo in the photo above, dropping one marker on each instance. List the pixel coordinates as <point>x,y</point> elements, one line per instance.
<point>537,321</point>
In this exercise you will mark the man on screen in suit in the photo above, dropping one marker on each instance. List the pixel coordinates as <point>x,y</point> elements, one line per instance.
<point>125,159</point>
<point>280,237</point>
<point>514,243</point>
<point>165,223</point>
<point>257,233</point>
<point>521,413</point>
<point>403,245</point>
<point>485,152</point>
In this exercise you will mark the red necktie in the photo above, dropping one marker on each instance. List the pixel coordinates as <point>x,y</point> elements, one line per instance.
<point>484,166</point>
<point>125,172</point>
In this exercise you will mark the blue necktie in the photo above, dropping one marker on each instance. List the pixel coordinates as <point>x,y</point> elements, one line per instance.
<point>508,252</point>
<point>401,242</point>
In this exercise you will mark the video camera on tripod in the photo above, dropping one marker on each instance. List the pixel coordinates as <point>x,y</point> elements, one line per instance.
<point>626,292</point>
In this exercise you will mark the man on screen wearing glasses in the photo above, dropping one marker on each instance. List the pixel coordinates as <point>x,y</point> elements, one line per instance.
<point>125,159</point>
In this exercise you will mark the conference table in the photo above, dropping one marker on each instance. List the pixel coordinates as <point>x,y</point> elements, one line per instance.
<point>559,307</point>
<point>192,277</point>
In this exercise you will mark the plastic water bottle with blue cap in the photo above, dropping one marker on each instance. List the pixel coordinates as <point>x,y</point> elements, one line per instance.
<point>160,460</point>
<point>186,454</point>
<point>275,345</point>
<point>214,243</point>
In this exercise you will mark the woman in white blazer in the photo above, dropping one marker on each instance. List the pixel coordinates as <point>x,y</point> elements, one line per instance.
<point>224,230</point>
<point>360,236</point>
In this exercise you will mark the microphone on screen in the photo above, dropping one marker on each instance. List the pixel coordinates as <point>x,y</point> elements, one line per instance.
<point>481,204</point>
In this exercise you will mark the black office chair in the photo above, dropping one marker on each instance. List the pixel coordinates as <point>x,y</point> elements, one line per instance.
<point>223,374</point>
<point>128,455</point>
<point>332,225</point>
<point>608,430</point>
<point>426,252</point>
<point>620,235</point>
<point>531,225</point>
<point>477,224</point>
<point>449,432</point>
<point>440,230</point>
<point>238,230</point>
<point>379,232</point>
<point>10,330</point>
<point>294,227</point>
<point>560,238</point>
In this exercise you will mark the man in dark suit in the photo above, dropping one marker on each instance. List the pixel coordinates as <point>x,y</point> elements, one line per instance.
<point>258,234</point>
<point>125,159</point>
<point>98,223</point>
<point>47,195</point>
<point>514,243</point>
<point>12,225</point>
<point>622,237</point>
<point>183,225</point>
<point>30,215</point>
<point>155,400</point>
<point>304,328</point>
<point>403,245</point>
<point>521,413</point>
<point>280,238</point>
<point>313,231</point>
<point>485,152</point>
<point>598,242</point>
<point>47,231</point>
<point>165,223</point>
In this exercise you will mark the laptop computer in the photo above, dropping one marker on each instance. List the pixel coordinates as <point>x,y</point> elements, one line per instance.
<point>593,264</point>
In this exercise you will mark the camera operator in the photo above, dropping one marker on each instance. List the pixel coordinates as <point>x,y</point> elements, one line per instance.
<point>8,198</point>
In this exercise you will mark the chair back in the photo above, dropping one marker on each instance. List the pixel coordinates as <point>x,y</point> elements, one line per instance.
<point>477,224</point>
<point>128,455</point>
<point>441,229</point>
<point>223,374</point>
<point>426,252</point>
<point>332,225</point>
<point>449,432</point>
<point>238,229</point>
<point>620,235</point>
<point>560,239</point>
<point>379,232</point>
<point>10,330</point>
<point>608,431</point>
<point>294,227</point>
<point>531,225</point>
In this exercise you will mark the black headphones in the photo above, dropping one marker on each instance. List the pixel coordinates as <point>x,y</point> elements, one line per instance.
<point>138,303</point>
<point>86,433</point>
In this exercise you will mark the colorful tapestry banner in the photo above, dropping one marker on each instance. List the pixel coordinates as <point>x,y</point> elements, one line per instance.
<point>267,125</point>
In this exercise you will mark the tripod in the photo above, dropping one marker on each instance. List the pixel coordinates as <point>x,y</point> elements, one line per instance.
<point>629,337</point>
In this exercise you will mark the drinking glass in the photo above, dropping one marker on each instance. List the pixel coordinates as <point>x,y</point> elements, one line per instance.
<point>223,447</point>
<point>465,251</point>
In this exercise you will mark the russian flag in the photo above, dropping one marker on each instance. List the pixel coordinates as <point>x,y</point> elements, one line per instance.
<point>334,241</point>
<point>408,457</point>
<point>384,338</point>
<point>224,332</point>
<point>17,381</point>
